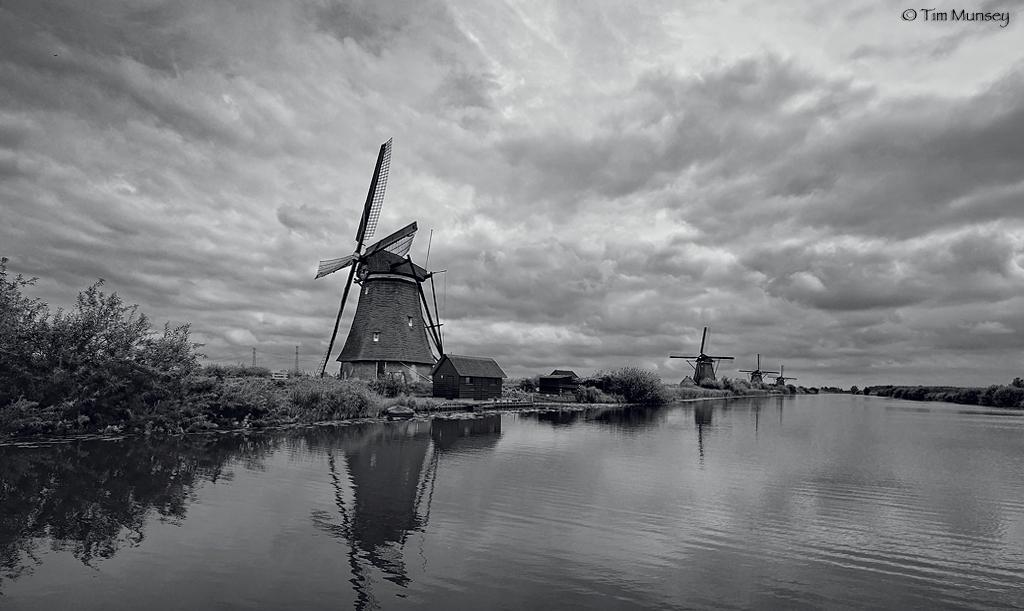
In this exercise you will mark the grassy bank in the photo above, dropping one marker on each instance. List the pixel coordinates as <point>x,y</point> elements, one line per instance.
<point>208,403</point>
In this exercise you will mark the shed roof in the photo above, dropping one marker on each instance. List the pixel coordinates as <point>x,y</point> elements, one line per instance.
<point>472,366</point>
<point>563,373</point>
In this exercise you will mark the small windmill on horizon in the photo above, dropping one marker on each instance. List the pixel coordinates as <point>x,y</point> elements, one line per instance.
<point>388,334</point>
<point>780,380</point>
<point>704,367</point>
<point>757,374</point>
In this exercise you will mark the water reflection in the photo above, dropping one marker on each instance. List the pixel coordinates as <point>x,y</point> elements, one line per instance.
<point>94,498</point>
<point>630,419</point>
<point>633,419</point>
<point>702,416</point>
<point>386,496</point>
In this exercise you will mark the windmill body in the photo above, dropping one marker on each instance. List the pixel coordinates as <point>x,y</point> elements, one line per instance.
<point>780,380</point>
<point>703,364</point>
<point>388,336</point>
<point>757,375</point>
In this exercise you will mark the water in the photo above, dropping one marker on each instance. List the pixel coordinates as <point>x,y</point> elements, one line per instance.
<point>805,502</point>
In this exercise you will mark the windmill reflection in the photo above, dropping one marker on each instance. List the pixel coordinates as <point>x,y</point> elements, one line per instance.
<point>702,418</point>
<point>386,496</point>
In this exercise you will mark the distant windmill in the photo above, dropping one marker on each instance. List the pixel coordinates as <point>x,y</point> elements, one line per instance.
<point>703,364</point>
<point>388,335</point>
<point>756,375</point>
<point>780,380</point>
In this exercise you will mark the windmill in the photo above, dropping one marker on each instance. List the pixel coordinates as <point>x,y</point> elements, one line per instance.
<point>756,375</point>
<point>703,364</point>
<point>388,334</point>
<point>780,380</point>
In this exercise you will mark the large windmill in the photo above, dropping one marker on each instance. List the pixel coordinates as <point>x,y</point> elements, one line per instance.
<point>780,380</point>
<point>757,375</point>
<point>703,364</point>
<point>388,334</point>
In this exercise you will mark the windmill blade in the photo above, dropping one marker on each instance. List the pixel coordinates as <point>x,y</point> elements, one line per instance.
<point>337,321</point>
<point>402,246</point>
<point>769,372</point>
<point>721,358</point>
<point>375,195</point>
<point>396,241</point>
<point>748,371</point>
<point>330,266</point>
<point>676,356</point>
<point>703,337</point>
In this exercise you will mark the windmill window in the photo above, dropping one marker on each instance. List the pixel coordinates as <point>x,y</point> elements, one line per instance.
<point>366,290</point>
<point>410,322</point>
<point>376,336</point>
<point>468,380</point>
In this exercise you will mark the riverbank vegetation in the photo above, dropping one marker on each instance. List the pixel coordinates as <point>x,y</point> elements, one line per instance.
<point>997,395</point>
<point>101,367</point>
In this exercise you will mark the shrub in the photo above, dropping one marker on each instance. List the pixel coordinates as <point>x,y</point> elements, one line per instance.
<point>390,386</point>
<point>590,394</point>
<point>711,384</point>
<point>101,356</point>
<point>633,384</point>
<point>1008,396</point>
<point>738,386</point>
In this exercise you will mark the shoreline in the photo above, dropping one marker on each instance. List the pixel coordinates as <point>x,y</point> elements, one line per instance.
<point>471,412</point>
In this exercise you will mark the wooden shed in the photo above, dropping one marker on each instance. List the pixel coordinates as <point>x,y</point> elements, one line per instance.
<point>467,377</point>
<point>558,382</point>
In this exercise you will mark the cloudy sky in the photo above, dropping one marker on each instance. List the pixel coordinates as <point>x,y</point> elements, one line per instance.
<point>838,189</point>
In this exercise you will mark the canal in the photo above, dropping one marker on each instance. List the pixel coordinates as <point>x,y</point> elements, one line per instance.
<point>800,502</point>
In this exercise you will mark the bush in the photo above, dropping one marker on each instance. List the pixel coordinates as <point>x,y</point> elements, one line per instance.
<point>711,384</point>
<point>633,384</point>
<point>390,386</point>
<point>101,357</point>
<point>1008,396</point>
<point>738,386</point>
<point>590,394</point>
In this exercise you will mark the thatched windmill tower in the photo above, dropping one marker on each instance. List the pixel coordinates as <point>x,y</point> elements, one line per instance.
<point>388,334</point>
<point>703,364</point>
<point>757,375</point>
<point>780,380</point>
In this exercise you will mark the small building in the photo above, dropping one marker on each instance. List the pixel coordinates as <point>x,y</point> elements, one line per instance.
<point>467,377</point>
<point>558,382</point>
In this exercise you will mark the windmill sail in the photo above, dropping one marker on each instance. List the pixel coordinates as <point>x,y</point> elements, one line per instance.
<point>375,196</point>
<point>330,266</point>
<point>401,239</point>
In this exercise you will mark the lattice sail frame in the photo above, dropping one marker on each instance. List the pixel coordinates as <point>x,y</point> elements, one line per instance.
<point>378,193</point>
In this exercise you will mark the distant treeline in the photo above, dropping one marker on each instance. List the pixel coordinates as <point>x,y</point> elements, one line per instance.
<point>1009,395</point>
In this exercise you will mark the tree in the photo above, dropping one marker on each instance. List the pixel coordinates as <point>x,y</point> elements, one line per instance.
<point>98,357</point>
